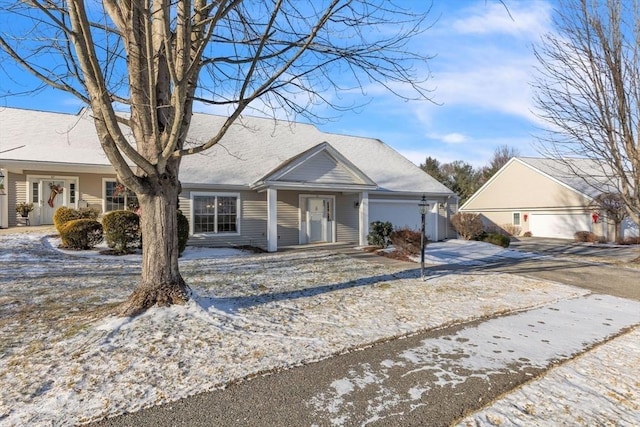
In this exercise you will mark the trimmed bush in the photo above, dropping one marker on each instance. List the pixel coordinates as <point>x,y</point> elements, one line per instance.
<point>89,213</point>
<point>467,225</point>
<point>80,234</point>
<point>183,232</point>
<point>585,237</point>
<point>379,233</point>
<point>527,234</point>
<point>406,241</point>
<point>122,231</point>
<point>497,239</point>
<point>63,215</point>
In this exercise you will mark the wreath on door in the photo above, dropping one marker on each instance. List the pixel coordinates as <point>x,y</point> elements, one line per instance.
<point>55,190</point>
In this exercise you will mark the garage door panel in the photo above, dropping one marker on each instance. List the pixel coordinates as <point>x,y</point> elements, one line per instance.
<point>559,225</point>
<point>401,214</point>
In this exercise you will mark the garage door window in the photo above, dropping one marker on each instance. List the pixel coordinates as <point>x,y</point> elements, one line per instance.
<point>516,218</point>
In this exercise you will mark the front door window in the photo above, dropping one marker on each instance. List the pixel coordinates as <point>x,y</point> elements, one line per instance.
<point>319,225</point>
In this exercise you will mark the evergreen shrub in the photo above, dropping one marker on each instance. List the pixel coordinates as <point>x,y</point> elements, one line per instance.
<point>379,233</point>
<point>80,234</point>
<point>183,232</point>
<point>63,215</point>
<point>122,231</point>
<point>497,239</point>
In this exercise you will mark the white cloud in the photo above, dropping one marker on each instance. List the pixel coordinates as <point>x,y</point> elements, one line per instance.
<point>522,19</point>
<point>454,138</point>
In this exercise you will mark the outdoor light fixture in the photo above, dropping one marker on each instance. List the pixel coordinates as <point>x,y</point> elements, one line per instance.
<point>424,208</point>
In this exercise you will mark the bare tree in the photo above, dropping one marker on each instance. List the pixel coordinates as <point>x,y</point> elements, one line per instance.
<point>588,90</point>
<point>614,208</point>
<point>159,57</point>
<point>501,155</point>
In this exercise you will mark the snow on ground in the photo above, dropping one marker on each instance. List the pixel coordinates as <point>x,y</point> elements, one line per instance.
<point>468,252</point>
<point>601,388</point>
<point>63,362</point>
<point>535,338</point>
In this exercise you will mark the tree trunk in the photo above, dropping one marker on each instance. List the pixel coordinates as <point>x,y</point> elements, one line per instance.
<point>161,282</point>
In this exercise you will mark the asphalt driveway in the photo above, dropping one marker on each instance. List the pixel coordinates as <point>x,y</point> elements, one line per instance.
<point>564,247</point>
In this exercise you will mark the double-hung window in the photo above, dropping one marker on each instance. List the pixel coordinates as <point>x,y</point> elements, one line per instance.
<point>116,197</point>
<point>215,212</point>
<point>516,218</point>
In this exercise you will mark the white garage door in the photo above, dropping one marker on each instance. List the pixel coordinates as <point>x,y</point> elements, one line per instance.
<point>561,226</point>
<point>402,214</point>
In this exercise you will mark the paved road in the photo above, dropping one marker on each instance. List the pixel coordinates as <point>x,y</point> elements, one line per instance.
<point>364,385</point>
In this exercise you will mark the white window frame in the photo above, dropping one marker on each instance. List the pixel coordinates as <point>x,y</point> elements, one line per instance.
<point>513,219</point>
<point>216,194</point>
<point>104,194</point>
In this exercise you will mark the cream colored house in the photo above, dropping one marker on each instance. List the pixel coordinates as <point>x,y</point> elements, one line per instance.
<point>268,184</point>
<point>544,197</point>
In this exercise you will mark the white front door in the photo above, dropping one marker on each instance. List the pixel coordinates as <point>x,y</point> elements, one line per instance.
<point>52,196</point>
<point>317,220</point>
<point>317,214</point>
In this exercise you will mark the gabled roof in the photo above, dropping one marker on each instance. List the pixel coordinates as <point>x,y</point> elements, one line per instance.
<point>320,166</point>
<point>584,176</point>
<point>252,148</point>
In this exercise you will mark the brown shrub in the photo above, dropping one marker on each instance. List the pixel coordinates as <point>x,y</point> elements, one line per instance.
<point>467,225</point>
<point>406,241</point>
<point>511,230</point>
<point>585,237</point>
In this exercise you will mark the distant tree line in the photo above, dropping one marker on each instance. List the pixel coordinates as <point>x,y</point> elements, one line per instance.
<point>461,177</point>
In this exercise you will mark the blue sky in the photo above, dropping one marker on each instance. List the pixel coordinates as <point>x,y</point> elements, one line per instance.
<point>482,67</point>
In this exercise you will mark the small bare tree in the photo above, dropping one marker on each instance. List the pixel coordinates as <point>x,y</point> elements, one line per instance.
<point>588,90</point>
<point>501,155</point>
<point>158,58</point>
<point>614,208</point>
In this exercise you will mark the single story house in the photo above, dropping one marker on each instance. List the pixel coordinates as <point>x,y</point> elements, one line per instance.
<point>268,184</point>
<point>545,197</point>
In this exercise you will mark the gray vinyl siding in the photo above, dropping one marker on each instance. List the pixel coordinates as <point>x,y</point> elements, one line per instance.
<point>17,192</point>
<point>347,218</point>
<point>320,169</point>
<point>252,222</point>
<point>288,218</point>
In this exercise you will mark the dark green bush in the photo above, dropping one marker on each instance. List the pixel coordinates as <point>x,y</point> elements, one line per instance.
<point>183,232</point>
<point>63,215</point>
<point>80,234</point>
<point>497,239</point>
<point>406,241</point>
<point>122,231</point>
<point>379,233</point>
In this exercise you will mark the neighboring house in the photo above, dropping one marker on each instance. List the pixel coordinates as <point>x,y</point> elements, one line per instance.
<point>268,184</point>
<point>545,197</point>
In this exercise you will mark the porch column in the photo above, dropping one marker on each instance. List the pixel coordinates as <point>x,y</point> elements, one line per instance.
<point>272,219</point>
<point>363,218</point>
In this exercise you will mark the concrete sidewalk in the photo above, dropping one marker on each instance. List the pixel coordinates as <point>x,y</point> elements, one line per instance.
<point>433,378</point>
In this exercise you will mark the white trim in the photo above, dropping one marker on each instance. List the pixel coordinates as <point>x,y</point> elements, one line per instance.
<point>272,220</point>
<point>214,194</point>
<point>104,195</point>
<point>363,218</point>
<point>31,178</point>
<point>513,216</point>
<point>302,210</point>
